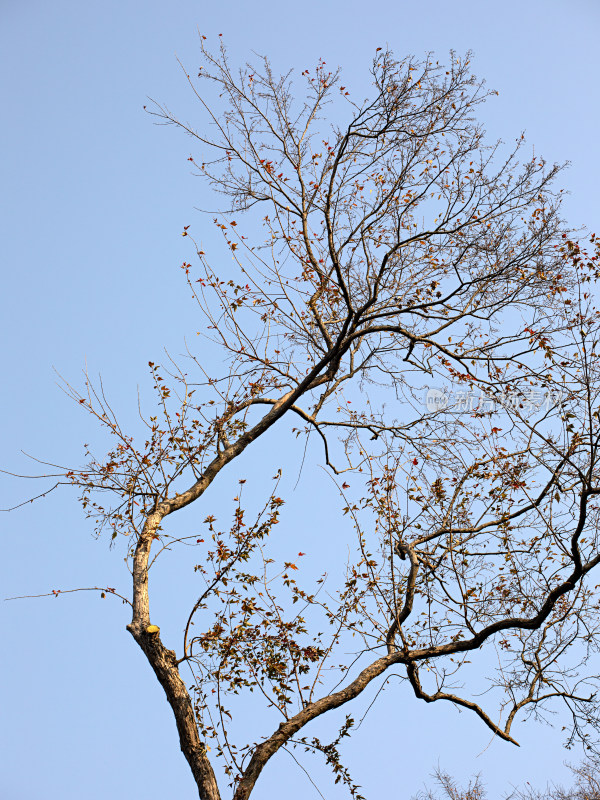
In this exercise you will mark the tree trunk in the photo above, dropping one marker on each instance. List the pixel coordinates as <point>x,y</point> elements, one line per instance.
<point>164,664</point>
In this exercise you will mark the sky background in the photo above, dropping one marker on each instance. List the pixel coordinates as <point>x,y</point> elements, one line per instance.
<point>95,199</point>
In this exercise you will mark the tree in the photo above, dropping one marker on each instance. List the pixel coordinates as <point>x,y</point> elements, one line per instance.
<point>400,252</point>
<point>587,787</point>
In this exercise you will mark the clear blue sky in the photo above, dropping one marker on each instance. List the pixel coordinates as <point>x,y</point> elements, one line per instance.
<point>95,198</point>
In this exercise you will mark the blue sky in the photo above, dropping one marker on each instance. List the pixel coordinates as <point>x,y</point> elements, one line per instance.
<point>95,199</point>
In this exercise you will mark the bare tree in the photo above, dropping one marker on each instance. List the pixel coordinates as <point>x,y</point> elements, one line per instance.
<point>400,252</point>
<point>587,787</point>
<point>474,790</point>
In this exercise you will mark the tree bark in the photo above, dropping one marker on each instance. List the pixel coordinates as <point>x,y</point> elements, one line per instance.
<point>164,663</point>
